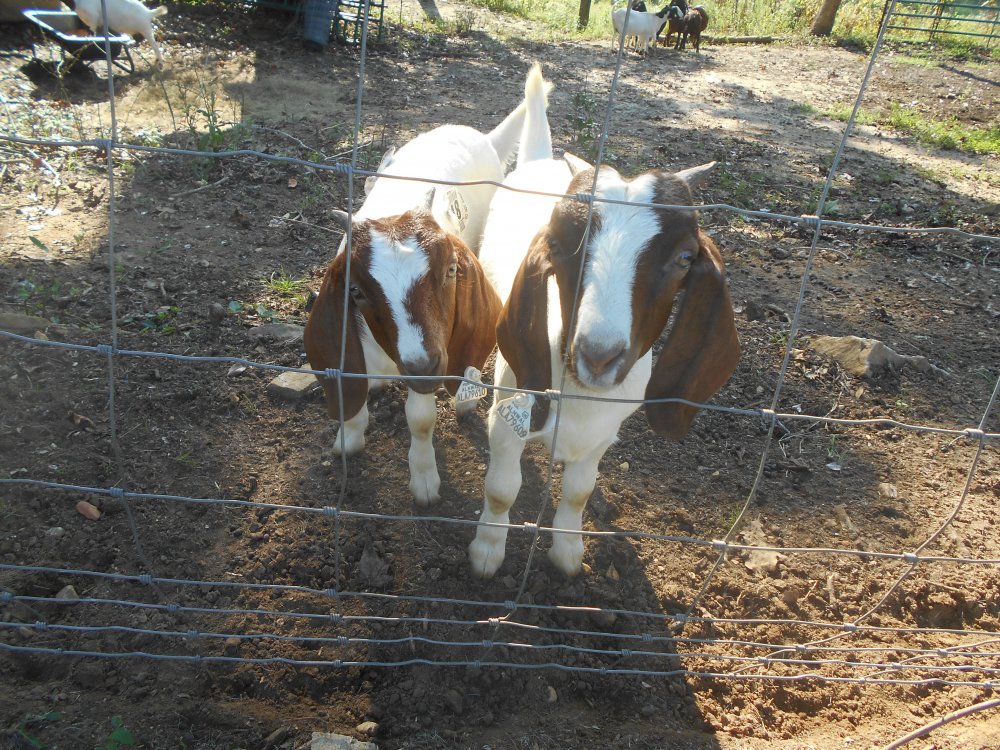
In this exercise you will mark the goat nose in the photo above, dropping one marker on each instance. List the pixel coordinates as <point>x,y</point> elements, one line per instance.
<point>599,357</point>
<point>425,365</point>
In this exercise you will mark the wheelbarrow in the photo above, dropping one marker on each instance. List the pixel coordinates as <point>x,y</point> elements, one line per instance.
<point>77,43</point>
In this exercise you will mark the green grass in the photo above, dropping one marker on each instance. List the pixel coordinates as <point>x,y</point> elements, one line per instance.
<point>949,134</point>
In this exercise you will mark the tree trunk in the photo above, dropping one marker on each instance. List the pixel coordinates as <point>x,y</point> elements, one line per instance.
<point>584,18</point>
<point>823,24</point>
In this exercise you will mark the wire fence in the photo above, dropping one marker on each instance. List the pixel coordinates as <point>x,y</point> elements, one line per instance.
<point>482,633</point>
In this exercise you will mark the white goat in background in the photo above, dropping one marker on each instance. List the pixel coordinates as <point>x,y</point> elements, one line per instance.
<point>124,17</point>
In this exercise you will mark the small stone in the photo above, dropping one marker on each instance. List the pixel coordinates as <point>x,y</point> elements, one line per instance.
<point>56,532</point>
<point>216,313</point>
<point>292,386</point>
<point>648,711</point>
<point>552,696</point>
<point>24,325</point>
<point>67,593</point>
<point>367,727</point>
<point>88,510</point>
<point>624,466</point>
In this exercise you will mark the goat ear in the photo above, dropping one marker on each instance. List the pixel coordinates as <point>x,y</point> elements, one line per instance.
<point>523,328</point>
<point>576,164</point>
<point>477,307</point>
<point>701,350</point>
<point>695,176</point>
<point>322,340</point>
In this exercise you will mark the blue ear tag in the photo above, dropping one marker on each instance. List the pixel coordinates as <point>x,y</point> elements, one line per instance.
<point>472,388</point>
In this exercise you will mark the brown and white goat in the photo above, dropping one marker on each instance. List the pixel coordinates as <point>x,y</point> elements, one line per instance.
<point>416,300</point>
<point>634,261</point>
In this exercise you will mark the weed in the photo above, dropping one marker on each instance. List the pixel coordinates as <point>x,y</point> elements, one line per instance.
<point>23,731</point>
<point>283,285</point>
<point>118,737</point>
<point>161,321</point>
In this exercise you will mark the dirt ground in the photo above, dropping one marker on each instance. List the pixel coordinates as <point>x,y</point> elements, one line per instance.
<point>209,251</point>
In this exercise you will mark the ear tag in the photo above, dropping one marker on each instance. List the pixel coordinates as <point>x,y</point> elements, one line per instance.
<point>471,391</point>
<point>516,413</point>
<point>458,211</point>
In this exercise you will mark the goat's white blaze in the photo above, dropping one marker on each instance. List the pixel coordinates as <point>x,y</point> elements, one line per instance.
<point>397,267</point>
<point>604,318</point>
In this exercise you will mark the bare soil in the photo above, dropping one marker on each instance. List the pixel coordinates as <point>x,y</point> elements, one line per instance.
<point>198,246</point>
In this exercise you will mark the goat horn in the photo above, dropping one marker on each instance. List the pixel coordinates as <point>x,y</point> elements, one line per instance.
<point>429,199</point>
<point>342,218</point>
<point>576,164</point>
<point>694,176</point>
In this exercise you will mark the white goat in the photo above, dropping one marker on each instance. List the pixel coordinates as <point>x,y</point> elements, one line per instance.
<point>418,302</point>
<point>636,260</point>
<point>643,26</point>
<point>124,17</point>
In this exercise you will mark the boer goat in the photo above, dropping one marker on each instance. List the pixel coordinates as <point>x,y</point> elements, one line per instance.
<point>692,24</point>
<point>675,17</point>
<point>124,17</point>
<point>415,297</point>
<point>642,26</point>
<point>634,262</point>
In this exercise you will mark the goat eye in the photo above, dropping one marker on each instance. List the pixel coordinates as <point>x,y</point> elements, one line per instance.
<point>452,271</point>
<point>685,259</point>
<point>356,294</point>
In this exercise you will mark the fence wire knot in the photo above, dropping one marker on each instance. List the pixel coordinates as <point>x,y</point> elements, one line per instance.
<point>342,640</point>
<point>331,510</point>
<point>553,394</point>
<point>911,557</point>
<point>679,618</point>
<point>105,349</point>
<point>104,143</point>
<point>720,545</point>
<point>173,608</point>
<point>117,493</point>
<point>626,652</point>
<point>974,433</point>
<point>584,198</point>
<point>530,526</point>
<point>810,220</point>
<point>510,604</point>
<point>147,579</point>
<point>493,622</point>
<point>331,372</point>
<point>850,627</point>
<point>768,415</point>
<point>193,634</point>
<point>332,593</point>
<point>337,618</point>
<point>646,638</point>
<point>488,644</point>
<point>342,168</point>
<point>6,597</point>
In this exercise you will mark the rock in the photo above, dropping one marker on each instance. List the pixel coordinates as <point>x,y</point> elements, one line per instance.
<point>275,738</point>
<point>68,594</point>
<point>24,325</point>
<point>292,386</point>
<point>88,510</point>
<point>216,313</point>
<point>453,700</point>
<point>866,357</point>
<point>328,741</point>
<point>367,727</point>
<point>56,532</point>
<point>282,332</point>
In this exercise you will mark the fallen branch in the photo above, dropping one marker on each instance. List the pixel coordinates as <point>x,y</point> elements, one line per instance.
<point>199,189</point>
<point>739,39</point>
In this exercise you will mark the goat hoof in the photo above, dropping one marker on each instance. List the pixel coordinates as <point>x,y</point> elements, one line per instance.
<point>425,492</point>
<point>567,556</point>
<point>484,559</point>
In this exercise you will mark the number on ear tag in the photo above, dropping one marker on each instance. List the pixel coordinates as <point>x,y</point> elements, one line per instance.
<point>516,413</point>
<point>458,211</point>
<point>471,391</point>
